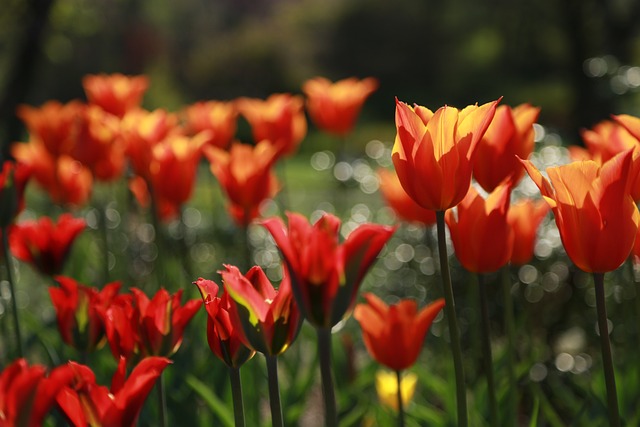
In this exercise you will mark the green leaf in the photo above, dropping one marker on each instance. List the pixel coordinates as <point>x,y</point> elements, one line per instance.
<point>216,406</point>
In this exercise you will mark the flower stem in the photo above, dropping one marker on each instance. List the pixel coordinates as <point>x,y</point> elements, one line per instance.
<point>400,403</point>
<point>450,310</point>
<point>162,401</point>
<point>486,351</point>
<point>607,360</point>
<point>236,392</point>
<point>274,391</point>
<point>14,303</point>
<point>509,320</point>
<point>328,393</point>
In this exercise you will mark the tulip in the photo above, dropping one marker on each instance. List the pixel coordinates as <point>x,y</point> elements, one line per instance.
<point>524,218</point>
<point>387,388</point>
<point>76,307</point>
<point>85,402</point>
<point>162,320</point>
<point>598,221</point>
<point>216,119</point>
<point>225,340</point>
<point>630,123</point>
<point>115,93</point>
<point>403,205</point>
<point>278,119</point>
<point>27,393</point>
<point>510,134</point>
<point>43,244</point>
<point>481,236</point>
<point>433,152</point>
<point>334,107</point>
<point>246,177</point>
<point>326,275</point>
<point>394,335</point>
<point>121,322</point>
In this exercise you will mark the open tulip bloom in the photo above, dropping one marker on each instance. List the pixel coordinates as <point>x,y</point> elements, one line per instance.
<point>598,220</point>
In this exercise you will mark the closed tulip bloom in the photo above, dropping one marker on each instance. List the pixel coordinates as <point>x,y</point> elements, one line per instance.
<point>216,119</point>
<point>224,338</point>
<point>121,322</point>
<point>525,217</point>
<point>334,107</point>
<point>269,318</point>
<point>595,214</point>
<point>246,177</point>
<point>278,119</point>
<point>432,153</point>
<point>45,244</point>
<point>404,206</point>
<point>481,235</point>
<point>394,334</point>
<point>387,388</point>
<point>27,393</point>
<point>163,320</point>
<point>77,312</point>
<point>84,402</point>
<point>326,274</point>
<point>115,93</point>
<point>510,134</point>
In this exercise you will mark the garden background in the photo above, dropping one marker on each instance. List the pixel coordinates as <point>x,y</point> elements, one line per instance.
<point>576,60</point>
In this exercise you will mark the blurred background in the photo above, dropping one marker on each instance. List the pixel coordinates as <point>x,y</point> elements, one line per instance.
<point>577,59</point>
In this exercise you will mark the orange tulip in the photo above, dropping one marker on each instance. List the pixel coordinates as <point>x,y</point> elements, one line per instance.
<point>334,107</point>
<point>279,119</point>
<point>53,124</point>
<point>630,123</point>
<point>510,134</point>
<point>481,235</point>
<point>394,334</point>
<point>432,151</point>
<point>524,218</point>
<point>116,93</point>
<point>245,174</point>
<point>403,205</point>
<point>607,139</point>
<point>595,214</point>
<point>217,118</point>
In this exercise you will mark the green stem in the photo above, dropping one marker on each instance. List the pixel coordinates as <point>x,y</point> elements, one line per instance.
<point>509,320</point>
<point>14,303</point>
<point>400,403</point>
<point>274,391</point>
<point>607,360</point>
<point>328,392</point>
<point>486,351</point>
<point>236,393</point>
<point>102,225</point>
<point>450,311</point>
<point>162,401</point>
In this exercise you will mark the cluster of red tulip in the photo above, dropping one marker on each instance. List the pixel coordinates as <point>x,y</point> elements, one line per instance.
<point>437,156</point>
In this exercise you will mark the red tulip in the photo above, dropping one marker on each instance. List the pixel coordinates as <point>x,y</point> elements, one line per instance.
<point>334,107</point>
<point>121,323</point>
<point>85,402</point>
<point>216,119</point>
<point>162,320</point>
<point>403,205</point>
<point>433,152</point>
<point>394,334</point>
<point>524,218</point>
<point>27,393</point>
<point>115,93</point>
<point>269,319</point>
<point>224,338</point>
<point>325,274</point>
<point>43,244</point>
<point>246,177</point>
<point>595,214</point>
<point>77,308</point>
<point>481,235</point>
<point>510,134</point>
<point>278,119</point>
